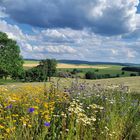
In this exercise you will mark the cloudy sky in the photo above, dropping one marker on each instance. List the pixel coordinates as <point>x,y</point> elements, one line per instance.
<point>93,30</point>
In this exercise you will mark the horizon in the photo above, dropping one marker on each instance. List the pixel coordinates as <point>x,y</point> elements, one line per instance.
<point>93,31</point>
<point>31,59</point>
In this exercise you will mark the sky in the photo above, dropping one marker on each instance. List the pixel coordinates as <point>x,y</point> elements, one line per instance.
<point>92,30</point>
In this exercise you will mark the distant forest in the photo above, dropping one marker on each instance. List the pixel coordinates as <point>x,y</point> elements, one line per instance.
<point>91,63</point>
<point>134,69</point>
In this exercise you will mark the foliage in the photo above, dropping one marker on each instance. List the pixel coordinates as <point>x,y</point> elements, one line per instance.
<point>40,73</point>
<point>49,66</point>
<point>35,74</point>
<point>90,75</point>
<point>10,60</point>
<point>134,69</point>
<point>133,74</point>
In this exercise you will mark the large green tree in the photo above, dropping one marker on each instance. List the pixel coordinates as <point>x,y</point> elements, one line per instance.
<point>49,67</point>
<point>11,62</point>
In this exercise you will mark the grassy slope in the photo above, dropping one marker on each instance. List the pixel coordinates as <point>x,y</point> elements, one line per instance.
<point>132,82</point>
<point>111,69</point>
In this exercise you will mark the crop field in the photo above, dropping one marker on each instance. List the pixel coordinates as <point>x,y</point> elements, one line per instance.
<point>30,64</point>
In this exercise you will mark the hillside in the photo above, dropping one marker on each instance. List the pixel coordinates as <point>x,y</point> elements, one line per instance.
<point>78,62</point>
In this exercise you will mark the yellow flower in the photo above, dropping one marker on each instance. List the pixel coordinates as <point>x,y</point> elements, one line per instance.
<point>1,126</point>
<point>30,126</point>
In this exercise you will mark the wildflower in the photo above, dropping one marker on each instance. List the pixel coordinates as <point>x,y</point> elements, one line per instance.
<point>30,126</point>
<point>47,124</point>
<point>31,110</point>
<point>9,107</point>
<point>1,126</point>
<point>67,130</point>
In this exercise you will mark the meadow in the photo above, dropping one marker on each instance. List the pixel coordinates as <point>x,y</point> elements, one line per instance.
<point>78,111</point>
<point>71,108</point>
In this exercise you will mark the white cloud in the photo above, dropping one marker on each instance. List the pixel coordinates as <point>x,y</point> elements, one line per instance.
<point>73,44</point>
<point>108,17</point>
<point>13,31</point>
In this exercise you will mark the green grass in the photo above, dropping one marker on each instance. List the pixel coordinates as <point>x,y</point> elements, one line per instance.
<point>8,81</point>
<point>113,70</point>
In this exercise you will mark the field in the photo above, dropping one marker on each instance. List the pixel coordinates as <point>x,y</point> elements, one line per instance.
<point>30,64</point>
<point>113,70</point>
<point>70,110</point>
<point>132,82</point>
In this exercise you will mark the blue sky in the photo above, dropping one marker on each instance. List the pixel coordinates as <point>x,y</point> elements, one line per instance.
<point>93,30</point>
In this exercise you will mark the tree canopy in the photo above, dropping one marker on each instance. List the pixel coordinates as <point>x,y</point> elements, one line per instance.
<point>49,66</point>
<point>11,62</point>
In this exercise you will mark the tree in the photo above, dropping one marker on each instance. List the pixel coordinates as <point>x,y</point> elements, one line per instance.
<point>90,75</point>
<point>49,67</point>
<point>11,62</point>
<point>133,74</point>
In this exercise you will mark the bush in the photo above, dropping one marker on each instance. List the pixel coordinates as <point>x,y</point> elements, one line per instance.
<point>117,75</point>
<point>134,69</point>
<point>90,75</point>
<point>35,74</point>
<point>133,74</point>
<point>97,70</point>
<point>123,72</point>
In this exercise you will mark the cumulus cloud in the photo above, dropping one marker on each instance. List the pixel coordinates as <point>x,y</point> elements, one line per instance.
<point>101,16</point>
<point>59,49</point>
<point>13,31</point>
<point>73,44</point>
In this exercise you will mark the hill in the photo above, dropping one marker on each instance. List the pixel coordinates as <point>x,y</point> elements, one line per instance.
<point>78,62</point>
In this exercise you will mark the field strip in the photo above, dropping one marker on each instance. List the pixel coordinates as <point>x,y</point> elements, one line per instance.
<point>132,82</point>
<point>70,66</point>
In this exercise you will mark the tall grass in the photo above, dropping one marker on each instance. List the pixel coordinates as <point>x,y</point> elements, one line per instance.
<point>80,112</point>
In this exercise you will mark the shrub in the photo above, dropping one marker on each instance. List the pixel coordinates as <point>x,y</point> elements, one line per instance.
<point>123,72</point>
<point>133,74</point>
<point>134,69</point>
<point>90,75</point>
<point>117,75</point>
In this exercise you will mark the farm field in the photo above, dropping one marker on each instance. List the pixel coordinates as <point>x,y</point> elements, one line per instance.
<point>113,70</point>
<point>99,70</point>
<point>30,64</point>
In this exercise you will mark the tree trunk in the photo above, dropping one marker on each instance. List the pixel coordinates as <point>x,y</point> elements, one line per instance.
<point>49,79</point>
